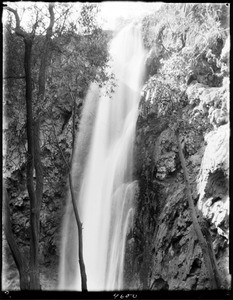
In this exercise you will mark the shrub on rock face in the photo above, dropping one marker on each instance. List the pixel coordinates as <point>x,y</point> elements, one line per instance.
<point>188,40</point>
<point>187,91</point>
<point>211,102</point>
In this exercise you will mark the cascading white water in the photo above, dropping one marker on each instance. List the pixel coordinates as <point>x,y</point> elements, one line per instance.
<point>106,188</point>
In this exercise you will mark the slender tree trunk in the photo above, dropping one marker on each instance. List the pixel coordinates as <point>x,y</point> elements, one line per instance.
<point>73,133</point>
<point>40,99</point>
<point>80,238</point>
<point>73,199</point>
<point>207,250</point>
<point>34,213</point>
<point>36,124</point>
<point>78,221</point>
<point>39,180</point>
<point>18,257</point>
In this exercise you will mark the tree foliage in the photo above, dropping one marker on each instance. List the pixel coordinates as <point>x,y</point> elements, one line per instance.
<point>185,46</point>
<point>77,55</point>
<point>189,37</point>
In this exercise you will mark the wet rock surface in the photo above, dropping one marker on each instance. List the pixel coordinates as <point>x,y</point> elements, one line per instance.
<point>167,254</point>
<point>162,250</point>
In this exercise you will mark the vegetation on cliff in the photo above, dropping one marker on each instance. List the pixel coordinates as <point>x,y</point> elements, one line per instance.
<point>186,87</point>
<point>56,69</point>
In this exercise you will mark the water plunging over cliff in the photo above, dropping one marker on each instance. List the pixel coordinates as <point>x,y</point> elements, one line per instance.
<point>102,168</point>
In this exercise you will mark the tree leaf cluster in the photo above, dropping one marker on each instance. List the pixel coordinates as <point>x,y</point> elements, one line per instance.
<point>78,56</point>
<point>186,47</point>
<point>188,37</point>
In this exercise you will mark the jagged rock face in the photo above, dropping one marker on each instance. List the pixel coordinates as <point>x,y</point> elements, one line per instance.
<point>165,251</point>
<point>213,188</point>
<point>210,101</point>
<point>171,257</point>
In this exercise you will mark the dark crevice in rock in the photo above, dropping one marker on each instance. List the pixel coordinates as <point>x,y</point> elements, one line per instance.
<point>160,284</point>
<point>217,185</point>
<point>196,265</point>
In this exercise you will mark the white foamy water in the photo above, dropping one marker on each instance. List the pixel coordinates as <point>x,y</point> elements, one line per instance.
<point>106,189</point>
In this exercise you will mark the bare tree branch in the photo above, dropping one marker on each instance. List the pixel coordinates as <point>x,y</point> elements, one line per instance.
<point>18,30</point>
<point>80,237</point>
<point>212,269</point>
<point>78,221</point>
<point>34,213</point>
<point>36,24</point>
<point>74,112</point>
<point>51,24</point>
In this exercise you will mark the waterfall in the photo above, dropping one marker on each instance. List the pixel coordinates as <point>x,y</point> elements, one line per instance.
<point>102,170</point>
